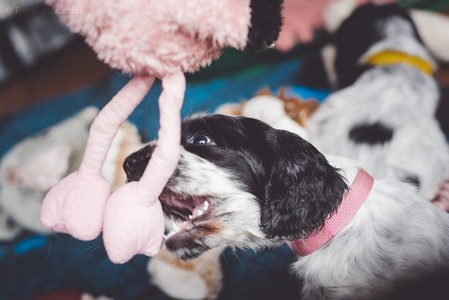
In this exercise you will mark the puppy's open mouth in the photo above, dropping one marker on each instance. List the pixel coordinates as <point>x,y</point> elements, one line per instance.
<point>188,240</point>
<point>187,208</point>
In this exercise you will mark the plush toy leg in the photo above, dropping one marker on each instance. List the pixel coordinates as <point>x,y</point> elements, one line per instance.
<point>133,221</point>
<point>76,204</point>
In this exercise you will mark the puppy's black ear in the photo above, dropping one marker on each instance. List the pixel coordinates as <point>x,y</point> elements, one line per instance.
<point>302,189</point>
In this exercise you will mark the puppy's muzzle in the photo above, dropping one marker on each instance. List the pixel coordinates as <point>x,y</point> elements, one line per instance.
<point>135,164</point>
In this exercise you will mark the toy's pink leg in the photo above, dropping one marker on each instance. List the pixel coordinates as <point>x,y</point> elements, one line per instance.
<point>134,222</point>
<point>76,204</point>
<point>106,124</point>
<point>166,155</point>
<point>442,198</point>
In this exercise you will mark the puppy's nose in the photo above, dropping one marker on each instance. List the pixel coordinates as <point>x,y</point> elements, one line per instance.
<point>135,164</point>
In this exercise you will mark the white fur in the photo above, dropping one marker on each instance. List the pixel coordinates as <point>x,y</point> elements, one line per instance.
<point>198,176</point>
<point>401,97</point>
<point>336,12</point>
<point>394,237</point>
<point>329,53</point>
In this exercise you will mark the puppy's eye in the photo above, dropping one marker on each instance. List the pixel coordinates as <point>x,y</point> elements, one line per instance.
<point>200,139</point>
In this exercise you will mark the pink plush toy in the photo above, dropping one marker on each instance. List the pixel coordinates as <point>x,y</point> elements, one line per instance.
<point>149,39</point>
<point>302,17</point>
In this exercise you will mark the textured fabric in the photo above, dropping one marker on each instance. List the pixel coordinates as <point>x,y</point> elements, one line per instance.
<point>36,265</point>
<point>158,37</point>
<point>352,201</point>
<point>134,221</point>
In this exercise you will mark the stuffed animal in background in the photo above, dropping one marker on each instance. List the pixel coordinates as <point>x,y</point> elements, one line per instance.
<point>298,109</point>
<point>281,111</point>
<point>127,141</point>
<point>383,114</point>
<point>196,279</point>
<point>303,17</point>
<point>34,165</point>
<point>148,39</point>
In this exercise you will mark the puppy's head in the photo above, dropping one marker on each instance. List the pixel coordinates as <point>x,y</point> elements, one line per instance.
<point>387,26</point>
<point>241,183</point>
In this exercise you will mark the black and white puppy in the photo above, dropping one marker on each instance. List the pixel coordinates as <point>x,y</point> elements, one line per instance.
<point>383,116</point>
<point>244,184</point>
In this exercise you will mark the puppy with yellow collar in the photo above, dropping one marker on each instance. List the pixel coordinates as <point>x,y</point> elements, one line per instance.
<point>383,114</point>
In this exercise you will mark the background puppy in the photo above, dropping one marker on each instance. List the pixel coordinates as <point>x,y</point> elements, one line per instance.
<point>241,183</point>
<point>384,117</point>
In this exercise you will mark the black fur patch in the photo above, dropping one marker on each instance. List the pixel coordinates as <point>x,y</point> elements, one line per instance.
<point>10,223</point>
<point>357,34</point>
<point>187,245</point>
<point>296,187</point>
<point>301,190</point>
<point>413,180</point>
<point>136,163</point>
<point>376,133</point>
<point>266,22</point>
<point>443,111</point>
<point>237,148</point>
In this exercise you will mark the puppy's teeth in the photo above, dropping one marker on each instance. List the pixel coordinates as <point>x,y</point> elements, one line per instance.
<point>201,209</point>
<point>190,217</point>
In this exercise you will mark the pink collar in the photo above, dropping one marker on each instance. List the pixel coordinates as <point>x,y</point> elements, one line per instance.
<point>352,201</point>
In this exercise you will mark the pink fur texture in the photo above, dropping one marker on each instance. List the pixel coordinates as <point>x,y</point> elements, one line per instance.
<point>157,37</point>
<point>302,17</point>
<point>150,39</point>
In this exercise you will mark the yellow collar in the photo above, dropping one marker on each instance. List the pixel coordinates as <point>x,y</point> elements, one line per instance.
<point>392,57</point>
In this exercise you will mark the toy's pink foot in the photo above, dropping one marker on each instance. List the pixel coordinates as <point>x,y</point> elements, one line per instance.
<point>442,198</point>
<point>76,206</point>
<point>132,224</point>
